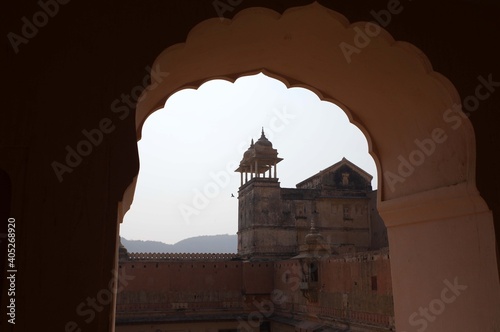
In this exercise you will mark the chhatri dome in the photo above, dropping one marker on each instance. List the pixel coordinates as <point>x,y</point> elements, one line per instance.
<point>259,161</point>
<point>263,141</point>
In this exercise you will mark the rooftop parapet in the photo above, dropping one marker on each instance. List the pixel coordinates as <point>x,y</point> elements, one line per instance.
<point>141,256</point>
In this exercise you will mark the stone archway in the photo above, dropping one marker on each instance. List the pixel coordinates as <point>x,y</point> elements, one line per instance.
<point>440,229</point>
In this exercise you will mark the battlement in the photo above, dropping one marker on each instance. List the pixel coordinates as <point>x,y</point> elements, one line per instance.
<point>363,256</point>
<point>148,256</point>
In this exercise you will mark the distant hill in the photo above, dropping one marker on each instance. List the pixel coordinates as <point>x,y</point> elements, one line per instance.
<point>199,244</point>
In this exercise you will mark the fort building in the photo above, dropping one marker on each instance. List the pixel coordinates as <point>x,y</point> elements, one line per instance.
<point>310,258</point>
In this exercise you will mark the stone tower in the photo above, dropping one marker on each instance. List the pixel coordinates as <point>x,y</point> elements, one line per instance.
<point>262,231</point>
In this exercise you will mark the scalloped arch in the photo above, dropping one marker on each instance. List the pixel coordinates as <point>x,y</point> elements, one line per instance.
<point>408,113</point>
<point>388,89</point>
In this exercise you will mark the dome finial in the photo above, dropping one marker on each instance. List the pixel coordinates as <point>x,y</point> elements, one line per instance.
<point>263,141</point>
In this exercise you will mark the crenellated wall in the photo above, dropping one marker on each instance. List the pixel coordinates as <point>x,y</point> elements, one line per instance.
<point>351,289</point>
<point>181,256</point>
<point>182,289</point>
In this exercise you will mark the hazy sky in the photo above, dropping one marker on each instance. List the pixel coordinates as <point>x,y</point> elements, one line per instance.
<point>190,149</point>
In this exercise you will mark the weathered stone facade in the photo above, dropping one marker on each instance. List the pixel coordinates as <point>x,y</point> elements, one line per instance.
<point>273,221</point>
<point>311,258</point>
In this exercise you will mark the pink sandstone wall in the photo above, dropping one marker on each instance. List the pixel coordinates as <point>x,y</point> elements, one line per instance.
<point>345,290</point>
<point>232,291</point>
<point>169,288</point>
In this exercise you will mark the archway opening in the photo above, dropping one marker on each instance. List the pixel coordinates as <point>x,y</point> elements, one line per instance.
<point>187,185</point>
<point>392,94</point>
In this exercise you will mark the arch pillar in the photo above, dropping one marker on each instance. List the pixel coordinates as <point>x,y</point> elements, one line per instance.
<point>443,262</point>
